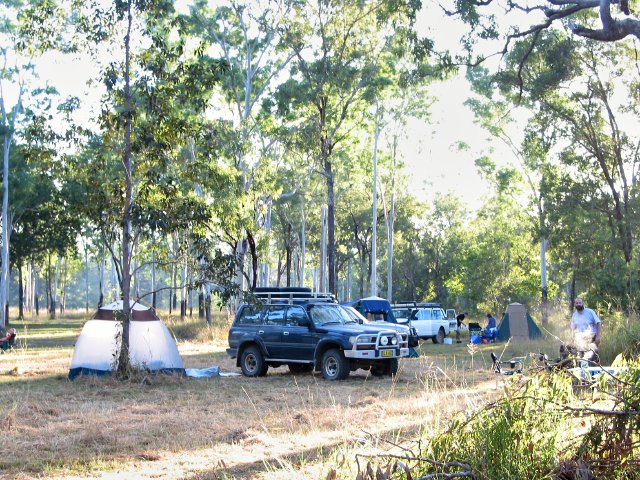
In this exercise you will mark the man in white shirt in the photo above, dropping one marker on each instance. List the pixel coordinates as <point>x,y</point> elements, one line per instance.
<point>585,326</point>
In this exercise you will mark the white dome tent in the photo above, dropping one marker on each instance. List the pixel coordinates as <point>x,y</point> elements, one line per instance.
<point>151,344</point>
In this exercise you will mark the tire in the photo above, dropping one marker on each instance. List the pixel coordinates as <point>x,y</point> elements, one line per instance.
<point>391,368</point>
<point>439,338</point>
<point>300,368</point>
<point>252,362</point>
<point>334,365</point>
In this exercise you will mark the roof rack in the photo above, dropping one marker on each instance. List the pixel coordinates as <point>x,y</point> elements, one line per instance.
<point>291,295</point>
<point>415,304</point>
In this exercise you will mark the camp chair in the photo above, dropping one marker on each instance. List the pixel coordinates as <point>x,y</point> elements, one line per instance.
<point>8,345</point>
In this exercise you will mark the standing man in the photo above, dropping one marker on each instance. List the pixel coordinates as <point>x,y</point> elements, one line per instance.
<point>460,319</point>
<point>585,326</point>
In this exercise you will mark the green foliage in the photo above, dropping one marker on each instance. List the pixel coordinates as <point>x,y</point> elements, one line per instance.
<point>540,429</point>
<point>621,334</point>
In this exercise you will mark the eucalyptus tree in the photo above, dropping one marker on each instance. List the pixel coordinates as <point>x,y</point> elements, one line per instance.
<point>578,92</point>
<point>27,105</point>
<point>337,70</point>
<point>490,20</point>
<point>498,262</point>
<point>248,37</point>
<point>405,102</point>
<point>48,213</point>
<point>14,71</point>
<point>503,117</point>
<point>157,89</point>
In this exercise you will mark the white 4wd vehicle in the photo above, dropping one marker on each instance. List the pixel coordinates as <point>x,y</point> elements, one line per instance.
<point>429,319</point>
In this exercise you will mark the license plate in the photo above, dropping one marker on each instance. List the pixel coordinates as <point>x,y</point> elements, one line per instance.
<point>387,353</point>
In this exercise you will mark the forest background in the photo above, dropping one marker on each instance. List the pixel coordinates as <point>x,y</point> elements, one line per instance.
<point>235,145</point>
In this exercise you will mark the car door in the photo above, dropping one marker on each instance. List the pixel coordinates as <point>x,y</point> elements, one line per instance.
<point>271,330</point>
<point>423,323</point>
<point>297,338</point>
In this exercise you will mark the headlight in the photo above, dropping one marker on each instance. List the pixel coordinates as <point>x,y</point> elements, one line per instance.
<point>384,340</point>
<point>352,340</point>
<point>394,341</point>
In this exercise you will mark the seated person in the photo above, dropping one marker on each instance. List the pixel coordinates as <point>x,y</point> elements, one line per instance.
<point>491,329</point>
<point>6,341</point>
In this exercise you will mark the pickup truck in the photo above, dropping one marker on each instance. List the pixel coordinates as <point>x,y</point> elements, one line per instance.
<point>429,319</point>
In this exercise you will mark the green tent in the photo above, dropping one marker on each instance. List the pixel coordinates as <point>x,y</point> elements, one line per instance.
<point>517,324</point>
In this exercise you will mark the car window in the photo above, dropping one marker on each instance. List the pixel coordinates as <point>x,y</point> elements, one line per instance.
<point>438,314</point>
<point>375,317</point>
<point>402,313</point>
<point>423,314</point>
<point>250,315</point>
<point>275,315</point>
<point>326,314</point>
<point>296,316</point>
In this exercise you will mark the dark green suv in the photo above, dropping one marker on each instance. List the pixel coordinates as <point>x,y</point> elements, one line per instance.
<point>309,331</point>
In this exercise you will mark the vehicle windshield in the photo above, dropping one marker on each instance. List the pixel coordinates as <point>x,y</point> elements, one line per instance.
<point>329,314</point>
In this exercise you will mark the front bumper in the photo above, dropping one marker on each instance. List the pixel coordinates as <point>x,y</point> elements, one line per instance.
<point>382,354</point>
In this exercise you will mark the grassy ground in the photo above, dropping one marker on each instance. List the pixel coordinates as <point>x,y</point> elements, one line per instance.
<point>279,426</point>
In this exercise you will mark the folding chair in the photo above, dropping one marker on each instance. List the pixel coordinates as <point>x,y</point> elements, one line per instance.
<point>8,344</point>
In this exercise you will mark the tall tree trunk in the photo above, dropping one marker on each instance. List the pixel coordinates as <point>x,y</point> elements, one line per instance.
<point>331,229</point>
<point>544,301</point>
<point>175,287</point>
<point>374,220</point>
<point>322,268</point>
<point>123,359</point>
<point>54,289</point>
<point>303,243</point>
<point>349,280</point>
<point>264,267</point>
<point>36,303</point>
<point>183,290</point>
<point>63,290</point>
<point>207,303</point>
<point>153,278</point>
<point>8,124</point>
<point>20,294</point>
<point>101,274</point>
<point>86,279</point>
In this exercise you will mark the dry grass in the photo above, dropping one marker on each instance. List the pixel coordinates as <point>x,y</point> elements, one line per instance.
<point>279,426</point>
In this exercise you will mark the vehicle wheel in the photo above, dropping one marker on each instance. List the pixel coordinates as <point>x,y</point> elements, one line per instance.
<point>252,363</point>
<point>391,368</point>
<point>300,368</point>
<point>334,365</point>
<point>439,338</point>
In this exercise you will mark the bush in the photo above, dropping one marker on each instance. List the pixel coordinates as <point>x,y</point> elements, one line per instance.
<point>618,335</point>
<point>543,429</point>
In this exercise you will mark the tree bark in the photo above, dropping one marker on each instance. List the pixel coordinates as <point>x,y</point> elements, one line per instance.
<point>20,294</point>
<point>123,359</point>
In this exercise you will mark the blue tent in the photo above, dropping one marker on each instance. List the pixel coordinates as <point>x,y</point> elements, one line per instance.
<point>374,308</point>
